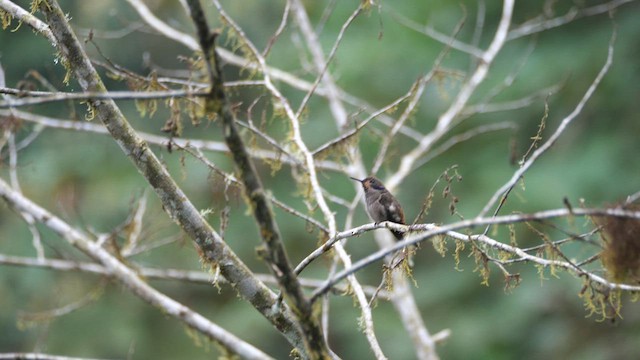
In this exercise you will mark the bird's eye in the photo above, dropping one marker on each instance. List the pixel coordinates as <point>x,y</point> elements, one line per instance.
<point>376,184</point>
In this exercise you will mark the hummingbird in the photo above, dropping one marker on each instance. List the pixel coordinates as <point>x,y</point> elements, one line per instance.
<point>381,205</point>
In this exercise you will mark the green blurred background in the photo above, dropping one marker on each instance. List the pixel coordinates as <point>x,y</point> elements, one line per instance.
<point>85,179</point>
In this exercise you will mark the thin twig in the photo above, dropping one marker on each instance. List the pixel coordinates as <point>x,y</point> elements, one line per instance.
<point>431,230</point>
<point>26,17</point>
<point>445,120</point>
<point>330,57</point>
<point>174,200</point>
<point>438,36</point>
<point>460,138</point>
<point>274,250</point>
<point>43,97</point>
<point>128,277</point>
<point>15,183</point>
<point>230,178</point>
<point>485,107</point>
<point>349,134</point>
<point>279,30</point>
<point>416,95</point>
<point>537,26</point>
<point>39,355</point>
<point>204,145</point>
<point>339,114</point>
<point>556,135</point>
<point>190,276</point>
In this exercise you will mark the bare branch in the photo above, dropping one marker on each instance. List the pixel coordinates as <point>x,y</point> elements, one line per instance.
<point>279,30</point>
<point>161,26</point>
<point>13,174</point>
<point>190,276</point>
<point>295,124</point>
<point>483,108</point>
<point>28,98</point>
<point>26,17</point>
<point>128,277</point>
<point>340,119</point>
<point>633,198</point>
<point>312,42</point>
<point>175,202</point>
<point>414,95</point>
<point>40,97</point>
<point>314,341</point>
<point>438,36</point>
<point>232,179</point>
<point>573,14</point>
<point>353,132</point>
<point>449,229</point>
<point>554,137</point>
<point>204,145</point>
<point>323,65</point>
<point>274,73</point>
<point>460,138</point>
<point>47,315</point>
<point>445,120</point>
<point>37,355</point>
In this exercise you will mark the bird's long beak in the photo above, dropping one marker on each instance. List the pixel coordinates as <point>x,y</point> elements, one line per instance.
<point>358,180</point>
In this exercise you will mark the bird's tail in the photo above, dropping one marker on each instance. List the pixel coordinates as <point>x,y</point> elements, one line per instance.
<point>398,234</point>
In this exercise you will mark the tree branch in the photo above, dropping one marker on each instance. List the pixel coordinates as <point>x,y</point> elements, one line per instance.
<point>128,277</point>
<point>38,356</point>
<point>190,276</point>
<point>315,343</point>
<point>204,145</point>
<point>533,27</point>
<point>174,201</point>
<point>41,97</point>
<point>26,17</point>
<point>431,230</point>
<point>340,118</point>
<point>445,120</point>
<point>273,73</point>
<point>502,191</point>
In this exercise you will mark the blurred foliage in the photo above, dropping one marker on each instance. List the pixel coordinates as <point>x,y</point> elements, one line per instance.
<point>85,179</point>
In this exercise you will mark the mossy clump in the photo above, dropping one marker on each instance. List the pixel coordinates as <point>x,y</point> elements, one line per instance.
<point>621,254</point>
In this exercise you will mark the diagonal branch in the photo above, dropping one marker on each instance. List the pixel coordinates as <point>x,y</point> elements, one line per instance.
<point>333,94</point>
<point>339,114</point>
<point>26,17</point>
<point>128,277</point>
<point>506,188</point>
<point>260,205</point>
<point>232,179</point>
<point>445,120</point>
<point>306,154</point>
<point>431,230</point>
<point>174,200</point>
<point>438,36</point>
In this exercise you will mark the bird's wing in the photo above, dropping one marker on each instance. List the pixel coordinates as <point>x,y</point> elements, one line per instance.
<point>393,208</point>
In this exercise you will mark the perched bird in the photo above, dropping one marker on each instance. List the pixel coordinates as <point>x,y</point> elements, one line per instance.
<point>381,205</point>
